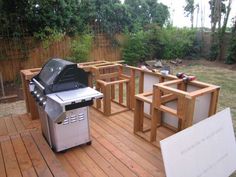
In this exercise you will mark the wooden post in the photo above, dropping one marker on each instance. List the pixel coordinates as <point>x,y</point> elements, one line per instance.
<point>156,113</point>
<point>112,70</point>
<point>128,94</point>
<point>107,100</point>
<point>31,107</point>
<point>90,80</point>
<point>141,82</point>
<point>188,117</point>
<point>138,116</point>
<point>132,88</point>
<point>98,101</point>
<point>214,101</point>
<point>120,87</point>
<point>24,86</point>
<point>180,111</point>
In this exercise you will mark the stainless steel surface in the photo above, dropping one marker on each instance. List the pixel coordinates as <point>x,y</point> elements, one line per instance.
<point>44,124</point>
<point>73,131</point>
<point>38,84</point>
<point>56,102</point>
<point>63,114</point>
<point>76,96</point>
<point>65,129</point>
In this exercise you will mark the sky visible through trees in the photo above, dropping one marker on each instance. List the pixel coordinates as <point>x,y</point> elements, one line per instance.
<point>178,18</point>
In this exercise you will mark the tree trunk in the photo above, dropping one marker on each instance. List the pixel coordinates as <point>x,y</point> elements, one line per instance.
<point>192,20</point>
<point>222,32</point>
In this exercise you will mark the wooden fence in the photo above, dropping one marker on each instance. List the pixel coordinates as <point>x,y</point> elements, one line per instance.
<point>13,57</point>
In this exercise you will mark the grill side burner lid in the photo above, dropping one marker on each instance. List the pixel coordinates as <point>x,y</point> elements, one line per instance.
<point>60,75</point>
<point>59,103</point>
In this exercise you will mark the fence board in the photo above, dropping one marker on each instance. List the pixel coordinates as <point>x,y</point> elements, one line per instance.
<point>13,58</point>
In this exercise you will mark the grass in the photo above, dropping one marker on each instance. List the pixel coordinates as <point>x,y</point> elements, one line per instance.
<point>223,77</point>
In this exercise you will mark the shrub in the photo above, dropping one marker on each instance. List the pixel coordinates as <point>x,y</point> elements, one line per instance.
<point>166,43</point>
<point>135,48</point>
<point>80,48</point>
<point>177,42</point>
<point>48,36</point>
<point>231,58</point>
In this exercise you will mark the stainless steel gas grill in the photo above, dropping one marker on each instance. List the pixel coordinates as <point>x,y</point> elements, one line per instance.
<point>63,96</point>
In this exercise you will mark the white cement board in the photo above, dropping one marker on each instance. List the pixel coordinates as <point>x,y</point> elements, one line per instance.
<point>207,149</point>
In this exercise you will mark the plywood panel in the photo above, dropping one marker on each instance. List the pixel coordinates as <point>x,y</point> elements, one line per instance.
<point>201,109</point>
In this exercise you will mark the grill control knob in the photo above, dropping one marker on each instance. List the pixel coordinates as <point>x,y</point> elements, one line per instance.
<point>38,96</point>
<point>34,93</point>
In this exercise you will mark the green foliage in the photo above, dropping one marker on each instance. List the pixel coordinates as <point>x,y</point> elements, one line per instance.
<point>48,36</point>
<point>80,48</point>
<point>219,12</point>
<point>135,48</point>
<point>189,8</point>
<point>167,43</point>
<point>70,17</point>
<point>32,16</point>
<point>231,58</point>
<point>214,51</point>
<point>177,42</point>
<point>145,12</point>
<point>109,16</point>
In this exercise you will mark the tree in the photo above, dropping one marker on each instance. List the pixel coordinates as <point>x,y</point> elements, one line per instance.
<point>33,16</point>
<point>109,16</point>
<point>218,11</point>
<point>231,58</point>
<point>146,12</point>
<point>189,10</point>
<point>222,31</point>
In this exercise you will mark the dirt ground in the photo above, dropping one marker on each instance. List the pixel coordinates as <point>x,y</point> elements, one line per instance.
<point>209,63</point>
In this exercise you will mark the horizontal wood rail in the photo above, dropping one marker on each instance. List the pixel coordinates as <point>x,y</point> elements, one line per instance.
<point>168,110</point>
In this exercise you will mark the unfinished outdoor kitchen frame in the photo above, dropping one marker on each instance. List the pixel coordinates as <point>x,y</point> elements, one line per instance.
<point>165,99</point>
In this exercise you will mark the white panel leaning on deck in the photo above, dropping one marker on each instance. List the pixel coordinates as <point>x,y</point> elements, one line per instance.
<point>206,149</point>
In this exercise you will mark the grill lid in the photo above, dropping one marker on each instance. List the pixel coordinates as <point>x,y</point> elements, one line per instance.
<point>52,69</point>
<point>61,75</point>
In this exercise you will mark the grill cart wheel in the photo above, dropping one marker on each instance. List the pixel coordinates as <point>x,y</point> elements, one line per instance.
<point>89,143</point>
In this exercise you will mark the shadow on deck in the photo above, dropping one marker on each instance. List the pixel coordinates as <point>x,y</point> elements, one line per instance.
<point>115,150</point>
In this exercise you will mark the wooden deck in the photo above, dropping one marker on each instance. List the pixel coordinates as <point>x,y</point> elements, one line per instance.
<point>115,150</point>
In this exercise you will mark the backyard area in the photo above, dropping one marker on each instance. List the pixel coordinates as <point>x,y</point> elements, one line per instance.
<point>210,72</point>
<point>108,93</point>
<point>218,74</point>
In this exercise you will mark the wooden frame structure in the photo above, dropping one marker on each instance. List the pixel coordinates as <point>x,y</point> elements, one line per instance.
<point>26,76</point>
<point>166,100</point>
<point>107,77</point>
<point>186,103</point>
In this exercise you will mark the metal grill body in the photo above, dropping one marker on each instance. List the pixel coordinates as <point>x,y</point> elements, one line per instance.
<point>63,98</point>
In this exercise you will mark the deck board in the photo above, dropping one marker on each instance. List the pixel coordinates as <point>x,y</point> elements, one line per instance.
<point>10,160</point>
<point>10,125</point>
<point>76,164</point>
<point>101,162</point>
<point>23,158</point>
<point>2,164</point>
<point>54,165</point>
<point>3,127</point>
<point>115,151</point>
<point>89,163</point>
<point>37,160</point>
